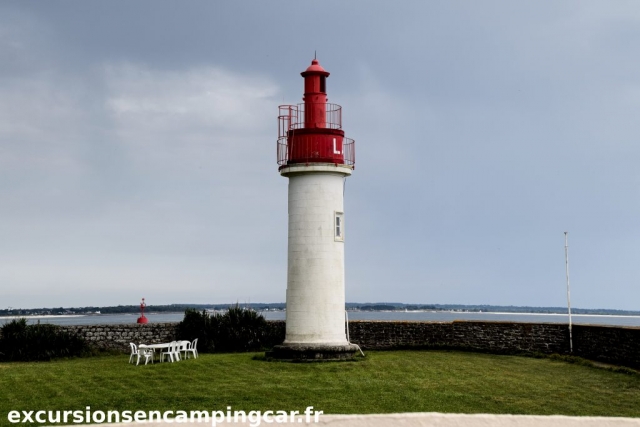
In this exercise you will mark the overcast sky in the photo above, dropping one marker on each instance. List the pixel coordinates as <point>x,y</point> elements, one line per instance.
<point>138,149</point>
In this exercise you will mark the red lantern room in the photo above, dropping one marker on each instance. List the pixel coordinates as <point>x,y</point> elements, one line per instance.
<point>312,132</point>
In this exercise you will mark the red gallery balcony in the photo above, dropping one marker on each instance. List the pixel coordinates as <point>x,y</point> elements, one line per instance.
<point>303,138</point>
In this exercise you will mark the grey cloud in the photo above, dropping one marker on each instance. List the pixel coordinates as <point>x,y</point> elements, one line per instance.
<point>137,146</point>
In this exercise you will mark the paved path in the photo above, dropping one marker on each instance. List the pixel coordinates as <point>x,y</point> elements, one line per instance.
<point>432,420</point>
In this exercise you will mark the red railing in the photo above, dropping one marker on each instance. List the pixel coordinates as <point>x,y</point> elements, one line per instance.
<point>311,146</point>
<point>292,117</point>
<point>349,150</point>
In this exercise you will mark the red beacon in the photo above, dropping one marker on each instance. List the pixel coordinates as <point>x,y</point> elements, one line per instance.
<point>142,318</point>
<point>312,132</point>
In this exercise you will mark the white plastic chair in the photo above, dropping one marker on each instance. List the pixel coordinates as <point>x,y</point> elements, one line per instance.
<point>147,353</point>
<point>172,352</point>
<point>182,348</point>
<point>176,350</point>
<point>192,348</point>
<point>167,352</point>
<point>134,352</point>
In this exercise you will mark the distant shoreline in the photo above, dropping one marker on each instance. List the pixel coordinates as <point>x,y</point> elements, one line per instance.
<point>55,316</point>
<point>509,313</point>
<point>43,316</point>
<point>543,314</point>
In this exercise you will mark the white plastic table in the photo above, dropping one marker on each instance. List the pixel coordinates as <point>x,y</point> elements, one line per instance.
<point>162,346</point>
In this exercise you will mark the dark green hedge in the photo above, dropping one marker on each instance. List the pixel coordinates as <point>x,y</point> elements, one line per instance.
<point>237,330</point>
<point>22,342</point>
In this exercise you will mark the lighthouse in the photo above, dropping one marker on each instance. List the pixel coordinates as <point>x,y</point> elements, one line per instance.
<point>316,157</point>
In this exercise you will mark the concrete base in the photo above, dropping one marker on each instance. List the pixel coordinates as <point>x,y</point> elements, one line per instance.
<point>312,352</point>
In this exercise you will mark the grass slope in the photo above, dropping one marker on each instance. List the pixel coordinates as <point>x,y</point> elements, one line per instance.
<point>398,381</point>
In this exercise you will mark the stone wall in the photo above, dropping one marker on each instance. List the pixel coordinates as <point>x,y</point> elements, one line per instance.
<point>497,337</point>
<point>118,337</point>
<point>610,344</point>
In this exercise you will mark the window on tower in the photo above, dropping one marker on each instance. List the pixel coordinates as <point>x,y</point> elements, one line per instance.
<point>323,84</point>
<point>339,224</point>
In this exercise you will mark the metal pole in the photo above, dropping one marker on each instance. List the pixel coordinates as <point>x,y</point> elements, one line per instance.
<point>346,318</point>
<point>566,258</point>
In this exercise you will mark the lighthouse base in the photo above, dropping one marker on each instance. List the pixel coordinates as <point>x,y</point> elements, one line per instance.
<point>312,352</point>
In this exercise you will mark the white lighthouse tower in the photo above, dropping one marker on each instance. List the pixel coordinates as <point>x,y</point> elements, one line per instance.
<point>316,157</point>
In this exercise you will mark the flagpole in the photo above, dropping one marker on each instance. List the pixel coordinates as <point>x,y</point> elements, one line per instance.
<point>566,260</point>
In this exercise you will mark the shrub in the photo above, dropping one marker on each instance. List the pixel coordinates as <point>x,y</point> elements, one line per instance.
<point>197,324</point>
<point>239,329</point>
<point>22,342</point>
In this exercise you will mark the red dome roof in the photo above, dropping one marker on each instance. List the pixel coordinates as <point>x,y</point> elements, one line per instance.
<point>315,67</point>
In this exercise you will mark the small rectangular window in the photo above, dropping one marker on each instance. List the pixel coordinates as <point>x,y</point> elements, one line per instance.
<point>339,226</point>
<point>323,84</point>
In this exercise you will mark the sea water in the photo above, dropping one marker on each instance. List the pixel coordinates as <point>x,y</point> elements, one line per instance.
<point>432,316</point>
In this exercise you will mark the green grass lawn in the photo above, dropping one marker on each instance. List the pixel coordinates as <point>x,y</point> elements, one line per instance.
<point>395,381</point>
